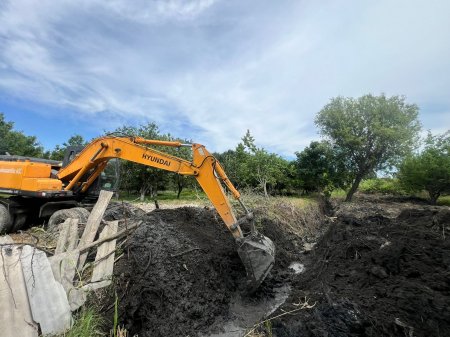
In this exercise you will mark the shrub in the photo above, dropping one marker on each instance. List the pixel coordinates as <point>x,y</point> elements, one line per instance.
<point>381,185</point>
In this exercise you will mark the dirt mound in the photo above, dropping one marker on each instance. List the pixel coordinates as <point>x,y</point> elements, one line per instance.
<point>122,210</point>
<point>183,271</point>
<point>376,276</point>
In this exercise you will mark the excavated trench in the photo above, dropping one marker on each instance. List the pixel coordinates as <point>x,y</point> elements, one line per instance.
<point>184,277</point>
<point>375,274</point>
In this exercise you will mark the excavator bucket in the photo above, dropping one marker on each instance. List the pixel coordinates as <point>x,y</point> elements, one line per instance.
<point>257,253</point>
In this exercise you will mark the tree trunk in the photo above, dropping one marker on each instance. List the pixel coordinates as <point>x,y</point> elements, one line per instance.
<point>354,187</point>
<point>154,192</point>
<point>143,191</point>
<point>180,187</point>
<point>142,197</point>
<point>434,196</point>
<point>265,189</point>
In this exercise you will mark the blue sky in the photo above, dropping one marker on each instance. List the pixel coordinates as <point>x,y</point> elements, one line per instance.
<point>208,70</point>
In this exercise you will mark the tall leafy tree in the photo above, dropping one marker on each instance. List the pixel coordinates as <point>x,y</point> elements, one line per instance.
<point>176,180</point>
<point>373,132</point>
<point>321,168</point>
<point>137,177</point>
<point>263,167</point>
<point>149,180</point>
<point>430,169</point>
<point>16,142</point>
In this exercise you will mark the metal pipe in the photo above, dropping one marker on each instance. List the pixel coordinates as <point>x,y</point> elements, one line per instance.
<point>103,146</point>
<point>140,140</point>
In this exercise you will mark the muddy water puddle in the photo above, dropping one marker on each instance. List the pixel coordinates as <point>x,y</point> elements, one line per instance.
<point>246,312</point>
<point>297,267</point>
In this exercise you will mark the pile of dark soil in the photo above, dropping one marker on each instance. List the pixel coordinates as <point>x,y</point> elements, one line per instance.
<point>375,276</point>
<point>181,270</point>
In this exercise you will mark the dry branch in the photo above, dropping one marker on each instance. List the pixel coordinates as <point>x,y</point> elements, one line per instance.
<point>300,306</point>
<point>119,234</point>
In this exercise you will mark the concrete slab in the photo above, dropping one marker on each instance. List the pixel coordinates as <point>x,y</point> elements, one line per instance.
<point>15,313</point>
<point>47,298</point>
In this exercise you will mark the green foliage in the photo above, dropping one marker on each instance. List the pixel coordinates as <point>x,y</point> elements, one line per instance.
<point>372,132</point>
<point>232,161</point>
<point>149,180</point>
<point>444,200</point>
<point>321,168</point>
<point>16,142</point>
<point>430,169</point>
<point>381,185</point>
<point>251,166</point>
<point>268,328</point>
<point>137,177</point>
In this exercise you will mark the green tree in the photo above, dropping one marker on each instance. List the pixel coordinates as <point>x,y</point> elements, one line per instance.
<point>321,167</point>
<point>261,166</point>
<point>16,142</point>
<point>176,180</point>
<point>137,177</point>
<point>430,169</point>
<point>372,132</point>
<point>148,180</point>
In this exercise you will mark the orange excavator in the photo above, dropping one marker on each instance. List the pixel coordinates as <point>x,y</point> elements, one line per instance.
<point>39,188</point>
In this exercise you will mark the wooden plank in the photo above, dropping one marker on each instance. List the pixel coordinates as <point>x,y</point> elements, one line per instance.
<point>64,262</point>
<point>104,260</point>
<point>47,298</point>
<point>62,238</point>
<point>96,285</point>
<point>15,312</point>
<point>68,235</point>
<point>93,223</point>
<point>64,267</point>
<point>72,240</point>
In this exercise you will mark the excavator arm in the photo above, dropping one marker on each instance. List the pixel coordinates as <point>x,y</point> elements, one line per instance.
<point>255,250</point>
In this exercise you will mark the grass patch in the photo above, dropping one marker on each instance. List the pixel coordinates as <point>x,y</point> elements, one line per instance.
<point>338,193</point>
<point>444,201</point>
<point>381,186</point>
<point>88,323</point>
<point>298,215</point>
<point>186,195</point>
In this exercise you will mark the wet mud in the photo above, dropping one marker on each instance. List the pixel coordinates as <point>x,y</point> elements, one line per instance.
<point>378,269</point>
<point>182,276</point>
<point>371,275</point>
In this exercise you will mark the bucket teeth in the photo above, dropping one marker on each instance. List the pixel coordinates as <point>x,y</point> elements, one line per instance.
<point>257,253</point>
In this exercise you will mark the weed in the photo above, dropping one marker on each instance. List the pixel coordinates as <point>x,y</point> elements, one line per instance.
<point>87,324</point>
<point>381,185</point>
<point>116,315</point>
<point>268,328</point>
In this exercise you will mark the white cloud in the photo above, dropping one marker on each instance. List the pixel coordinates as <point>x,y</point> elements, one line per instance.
<point>209,70</point>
